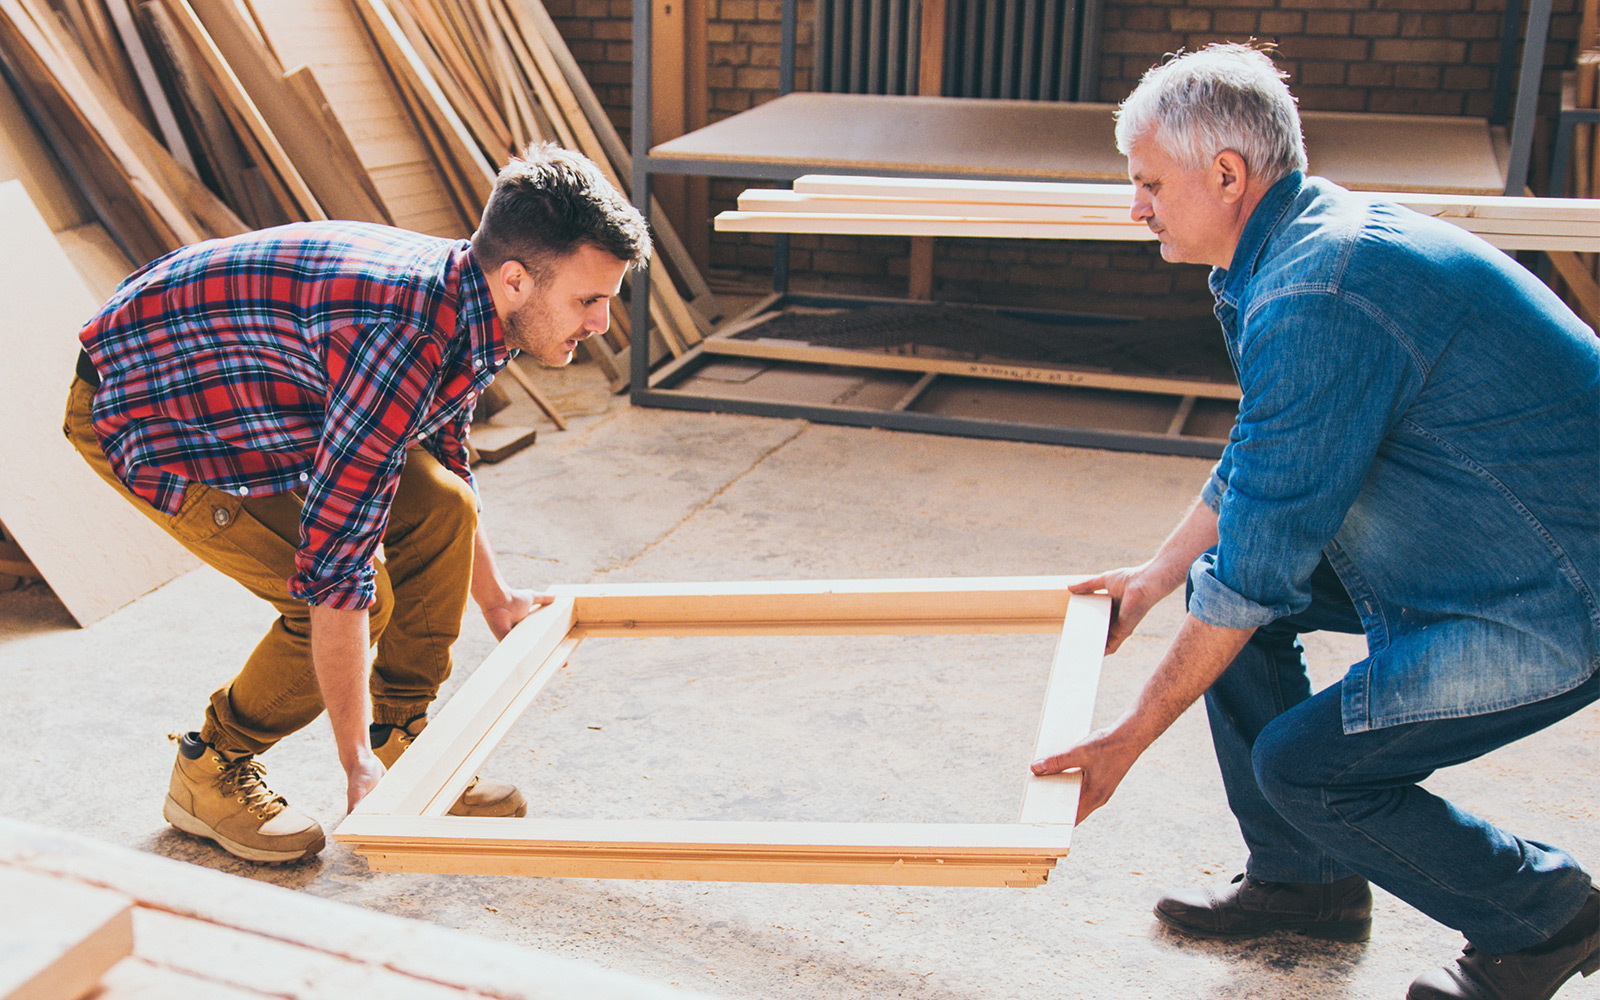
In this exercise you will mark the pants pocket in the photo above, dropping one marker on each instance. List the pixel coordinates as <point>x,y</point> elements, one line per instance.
<point>205,513</point>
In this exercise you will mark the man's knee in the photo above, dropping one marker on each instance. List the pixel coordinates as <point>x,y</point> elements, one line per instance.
<point>1280,759</point>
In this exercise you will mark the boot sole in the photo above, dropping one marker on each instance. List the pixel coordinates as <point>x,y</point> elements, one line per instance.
<point>194,827</point>
<point>1322,930</point>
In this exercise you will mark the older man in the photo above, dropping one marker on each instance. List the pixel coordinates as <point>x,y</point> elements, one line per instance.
<point>1416,457</point>
<point>285,403</point>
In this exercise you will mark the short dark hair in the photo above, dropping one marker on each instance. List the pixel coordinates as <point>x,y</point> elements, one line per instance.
<point>546,204</point>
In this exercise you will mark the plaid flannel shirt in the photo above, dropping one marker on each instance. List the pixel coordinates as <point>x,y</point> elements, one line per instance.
<point>308,357</point>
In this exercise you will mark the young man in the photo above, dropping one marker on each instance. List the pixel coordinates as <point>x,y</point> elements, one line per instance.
<point>1416,457</point>
<point>284,403</point>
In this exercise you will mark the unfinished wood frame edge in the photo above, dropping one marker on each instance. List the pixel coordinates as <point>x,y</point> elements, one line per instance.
<point>402,826</point>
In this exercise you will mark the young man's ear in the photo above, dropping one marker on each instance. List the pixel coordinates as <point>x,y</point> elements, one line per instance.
<point>515,281</point>
<point>1230,175</point>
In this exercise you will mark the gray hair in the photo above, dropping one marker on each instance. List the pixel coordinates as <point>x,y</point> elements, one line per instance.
<point>1225,96</point>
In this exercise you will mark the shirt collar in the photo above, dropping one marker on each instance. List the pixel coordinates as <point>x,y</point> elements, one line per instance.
<point>476,319</point>
<point>1227,285</point>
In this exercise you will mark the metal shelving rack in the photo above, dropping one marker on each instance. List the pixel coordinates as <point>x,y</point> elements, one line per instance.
<point>643,392</point>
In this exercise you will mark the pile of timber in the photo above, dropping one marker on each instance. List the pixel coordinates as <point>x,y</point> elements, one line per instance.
<point>924,207</point>
<point>174,121</point>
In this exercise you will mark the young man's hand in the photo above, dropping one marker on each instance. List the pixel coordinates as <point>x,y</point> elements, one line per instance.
<point>504,615</point>
<point>362,777</point>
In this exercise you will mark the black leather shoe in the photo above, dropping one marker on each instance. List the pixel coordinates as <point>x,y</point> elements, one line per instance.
<point>1248,907</point>
<point>1530,974</point>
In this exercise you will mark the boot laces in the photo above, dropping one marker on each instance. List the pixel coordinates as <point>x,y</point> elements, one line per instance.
<point>245,778</point>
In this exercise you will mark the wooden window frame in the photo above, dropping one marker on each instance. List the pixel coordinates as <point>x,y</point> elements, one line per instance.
<point>402,825</point>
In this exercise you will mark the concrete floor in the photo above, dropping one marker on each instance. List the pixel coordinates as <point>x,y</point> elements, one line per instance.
<point>919,729</point>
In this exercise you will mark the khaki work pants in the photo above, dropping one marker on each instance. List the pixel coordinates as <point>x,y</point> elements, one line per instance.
<point>422,582</point>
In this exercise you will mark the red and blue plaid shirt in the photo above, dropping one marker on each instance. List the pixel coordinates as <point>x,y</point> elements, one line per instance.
<point>310,356</point>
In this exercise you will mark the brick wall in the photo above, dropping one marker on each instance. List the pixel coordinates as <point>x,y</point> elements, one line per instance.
<point>1398,56</point>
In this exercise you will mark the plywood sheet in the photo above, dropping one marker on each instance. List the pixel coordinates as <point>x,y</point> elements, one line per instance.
<point>89,544</point>
<point>328,36</point>
<point>1062,141</point>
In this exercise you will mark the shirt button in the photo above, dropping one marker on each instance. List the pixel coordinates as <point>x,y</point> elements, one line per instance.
<point>244,491</point>
<point>305,477</point>
<point>221,516</point>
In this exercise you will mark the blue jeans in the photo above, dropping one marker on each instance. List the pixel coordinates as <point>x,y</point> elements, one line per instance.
<point>1317,804</point>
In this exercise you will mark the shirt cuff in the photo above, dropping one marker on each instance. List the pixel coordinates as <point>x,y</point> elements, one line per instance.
<point>1215,603</point>
<point>353,594</point>
<point>1211,493</point>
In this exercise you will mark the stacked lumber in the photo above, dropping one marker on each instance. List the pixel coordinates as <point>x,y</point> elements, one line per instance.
<point>1044,210</point>
<point>86,919</point>
<point>175,121</point>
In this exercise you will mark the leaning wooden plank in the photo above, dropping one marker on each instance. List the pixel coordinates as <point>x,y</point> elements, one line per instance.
<point>278,168</point>
<point>25,157</point>
<point>358,197</point>
<point>667,309</point>
<point>461,161</point>
<point>93,548</point>
<point>155,96</point>
<point>329,37</point>
<point>1068,708</point>
<point>324,161</point>
<point>616,152</point>
<point>419,774</point>
<point>134,203</point>
<point>60,936</point>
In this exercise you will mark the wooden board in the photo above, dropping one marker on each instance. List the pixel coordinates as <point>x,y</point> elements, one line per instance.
<point>972,137</point>
<point>1037,210</point>
<point>402,825</point>
<point>207,935</point>
<point>329,37</point>
<point>24,157</point>
<point>96,552</point>
<point>59,937</point>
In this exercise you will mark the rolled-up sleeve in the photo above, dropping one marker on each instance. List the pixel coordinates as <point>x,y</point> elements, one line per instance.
<point>1324,378</point>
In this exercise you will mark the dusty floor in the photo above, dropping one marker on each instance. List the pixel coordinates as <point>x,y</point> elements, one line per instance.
<point>803,728</point>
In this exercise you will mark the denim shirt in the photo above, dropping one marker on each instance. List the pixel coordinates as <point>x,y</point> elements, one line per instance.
<point>1422,411</point>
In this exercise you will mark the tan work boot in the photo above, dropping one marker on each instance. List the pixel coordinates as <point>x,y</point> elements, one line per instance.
<point>481,798</point>
<point>227,801</point>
